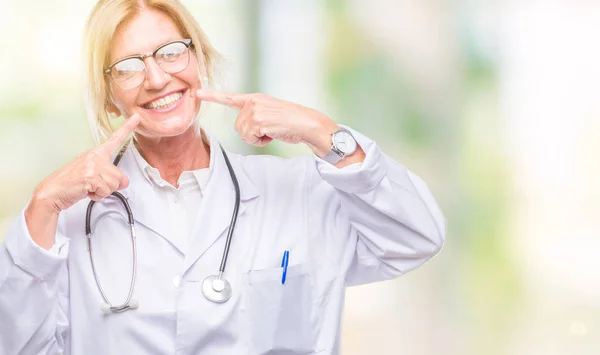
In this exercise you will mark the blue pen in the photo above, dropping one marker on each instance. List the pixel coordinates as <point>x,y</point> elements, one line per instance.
<point>284,265</point>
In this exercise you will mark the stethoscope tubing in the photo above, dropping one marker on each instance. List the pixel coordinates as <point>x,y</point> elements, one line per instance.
<point>234,215</point>
<point>88,230</point>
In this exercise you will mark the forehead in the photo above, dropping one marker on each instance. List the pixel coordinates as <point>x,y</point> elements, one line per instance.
<point>143,33</point>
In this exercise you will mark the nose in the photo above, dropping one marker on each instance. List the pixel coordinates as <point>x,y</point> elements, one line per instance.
<point>156,78</point>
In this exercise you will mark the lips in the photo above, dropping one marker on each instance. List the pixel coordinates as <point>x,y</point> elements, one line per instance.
<point>165,101</point>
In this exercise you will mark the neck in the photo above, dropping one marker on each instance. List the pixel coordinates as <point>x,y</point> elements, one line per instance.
<point>174,155</point>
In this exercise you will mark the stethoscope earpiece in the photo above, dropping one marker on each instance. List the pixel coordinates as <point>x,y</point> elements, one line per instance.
<point>134,304</point>
<point>107,308</point>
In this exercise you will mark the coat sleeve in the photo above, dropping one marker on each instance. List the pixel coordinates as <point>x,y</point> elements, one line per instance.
<point>34,304</point>
<point>376,219</point>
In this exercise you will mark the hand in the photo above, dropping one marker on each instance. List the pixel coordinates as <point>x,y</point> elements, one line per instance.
<point>91,174</point>
<point>263,118</point>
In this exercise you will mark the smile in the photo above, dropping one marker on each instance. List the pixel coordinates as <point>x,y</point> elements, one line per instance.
<point>164,102</point>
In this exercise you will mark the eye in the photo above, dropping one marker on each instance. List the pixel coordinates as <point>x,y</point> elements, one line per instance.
<point>170,52</point>
<point>127,68</point>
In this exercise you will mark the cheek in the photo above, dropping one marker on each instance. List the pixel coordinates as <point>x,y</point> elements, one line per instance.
<point>192,74</point>
<point>192,80</point>
<point>124,100</point>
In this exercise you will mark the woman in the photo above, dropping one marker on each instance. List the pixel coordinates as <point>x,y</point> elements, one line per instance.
<point>305,228</point>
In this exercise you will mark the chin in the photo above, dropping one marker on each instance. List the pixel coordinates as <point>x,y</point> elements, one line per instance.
<point>168,127</point>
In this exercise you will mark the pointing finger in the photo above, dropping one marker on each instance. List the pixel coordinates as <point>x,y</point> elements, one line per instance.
<point>120,135</point>
<point>230,99</point>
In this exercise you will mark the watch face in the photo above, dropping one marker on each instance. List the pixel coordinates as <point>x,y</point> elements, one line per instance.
<point>345,142</point>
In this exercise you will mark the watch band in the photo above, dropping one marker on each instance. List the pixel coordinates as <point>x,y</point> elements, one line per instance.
<point>332,157</point>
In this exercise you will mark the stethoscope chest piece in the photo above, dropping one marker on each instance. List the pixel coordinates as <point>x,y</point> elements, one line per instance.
<point>216,289</point>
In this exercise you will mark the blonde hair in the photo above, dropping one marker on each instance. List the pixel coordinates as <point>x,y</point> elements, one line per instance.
<point>101,26</point>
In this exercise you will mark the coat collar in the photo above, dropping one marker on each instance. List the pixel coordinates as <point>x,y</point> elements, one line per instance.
<point>214,215</point>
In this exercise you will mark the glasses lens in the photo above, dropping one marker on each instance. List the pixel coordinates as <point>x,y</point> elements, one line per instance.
<point>173,57</point>
<point>128,73</point>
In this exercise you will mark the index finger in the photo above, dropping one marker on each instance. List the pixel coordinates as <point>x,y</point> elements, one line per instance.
<point>120,135</point>
<point>230,99</point>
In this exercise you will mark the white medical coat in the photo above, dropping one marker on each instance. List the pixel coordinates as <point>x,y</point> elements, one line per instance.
<point>363,223</point>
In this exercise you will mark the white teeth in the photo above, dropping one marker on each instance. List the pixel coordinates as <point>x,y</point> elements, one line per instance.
<point>164,102</point>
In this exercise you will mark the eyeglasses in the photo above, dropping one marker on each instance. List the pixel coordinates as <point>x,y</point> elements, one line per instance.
<point>171,57</point>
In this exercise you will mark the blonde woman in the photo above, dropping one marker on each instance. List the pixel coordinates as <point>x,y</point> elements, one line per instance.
<point>177,247</point>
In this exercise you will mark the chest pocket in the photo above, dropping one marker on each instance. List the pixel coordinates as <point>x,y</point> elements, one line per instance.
<point>280,318</point>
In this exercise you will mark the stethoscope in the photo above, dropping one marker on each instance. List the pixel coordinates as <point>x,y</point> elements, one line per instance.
<point>214,287</point>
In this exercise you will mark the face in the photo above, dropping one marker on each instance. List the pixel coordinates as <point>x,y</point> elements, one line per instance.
<point>165,101</point>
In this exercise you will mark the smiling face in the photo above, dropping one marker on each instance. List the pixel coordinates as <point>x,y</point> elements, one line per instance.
<point>165,101</point>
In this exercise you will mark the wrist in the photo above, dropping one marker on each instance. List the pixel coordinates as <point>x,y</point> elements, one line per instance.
<point>41,218</point>
<point>41,202</point>
<point>319,137</point>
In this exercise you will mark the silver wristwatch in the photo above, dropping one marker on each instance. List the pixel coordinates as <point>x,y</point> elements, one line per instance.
<point>342,144</point>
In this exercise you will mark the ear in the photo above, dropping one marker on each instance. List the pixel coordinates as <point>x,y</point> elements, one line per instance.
<point>203,81</point>
<point>113,113</point>
<point>112,109</point>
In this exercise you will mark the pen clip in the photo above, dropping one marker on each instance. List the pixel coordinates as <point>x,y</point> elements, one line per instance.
<point>284,265</point>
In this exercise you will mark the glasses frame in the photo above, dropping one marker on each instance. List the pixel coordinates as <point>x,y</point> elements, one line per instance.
<point>186,41</point>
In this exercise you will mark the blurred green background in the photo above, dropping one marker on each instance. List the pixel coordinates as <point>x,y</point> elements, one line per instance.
<point>493,103</point>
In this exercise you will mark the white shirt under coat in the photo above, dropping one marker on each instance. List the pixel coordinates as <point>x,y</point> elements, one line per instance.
<point>367,222</point>
<point>183,202</point>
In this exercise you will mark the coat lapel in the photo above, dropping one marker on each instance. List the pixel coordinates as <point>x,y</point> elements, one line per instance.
<point>147,206</point>
<point>216,209</point>
<point>218,203</point>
